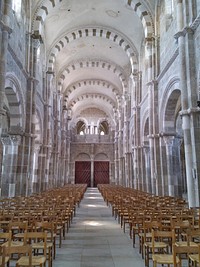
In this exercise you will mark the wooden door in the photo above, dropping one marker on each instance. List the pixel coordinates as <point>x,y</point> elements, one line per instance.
<point>101,172</point>
<point>83,172</point>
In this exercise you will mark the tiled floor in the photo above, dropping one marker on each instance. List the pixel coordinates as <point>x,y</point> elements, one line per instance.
<point>95,239</point>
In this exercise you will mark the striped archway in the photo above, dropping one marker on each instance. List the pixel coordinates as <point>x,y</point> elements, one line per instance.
<point>139,7</point>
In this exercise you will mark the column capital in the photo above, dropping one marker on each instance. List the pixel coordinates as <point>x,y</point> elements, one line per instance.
<point>6,141</point>
<point>152,83</point>
<point>15,139</point>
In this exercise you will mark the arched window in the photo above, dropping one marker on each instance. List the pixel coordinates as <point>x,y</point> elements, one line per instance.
<point>80,128</point>
<point>103,128</point>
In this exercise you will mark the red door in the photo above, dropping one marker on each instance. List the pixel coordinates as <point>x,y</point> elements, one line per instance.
<point>101,172</point>
<point>83,172</point>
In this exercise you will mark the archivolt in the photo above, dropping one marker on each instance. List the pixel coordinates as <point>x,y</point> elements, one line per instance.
<point>95,83</point>
<point>16,101</point>
<point>92,64</point>
<point>94,32</point>
<point>138,6</point>
<point>91,96</point>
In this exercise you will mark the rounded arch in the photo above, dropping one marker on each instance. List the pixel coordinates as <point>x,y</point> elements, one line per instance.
<point>170,106</point>
<point>91,83</point>
<point>80,65</point>
<point>98,32</point>
<point>101,157</point>
<point>16,102</point>
<point>139,7</point>
<point>82,157</point>
<point>107,99</point>
<point>80,127</point>
<point>104,127</point>
<point>145,127</point>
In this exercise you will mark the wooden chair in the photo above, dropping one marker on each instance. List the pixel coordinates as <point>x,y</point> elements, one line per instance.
<point>5,237</point>
<point>16,228</point>
<point>25,250</point>
<point>194,259</point>
<point>51,236</point>
<point>160,256</point>
<point>161,242</point>
<point>148,239</point>
<point>38,241</point>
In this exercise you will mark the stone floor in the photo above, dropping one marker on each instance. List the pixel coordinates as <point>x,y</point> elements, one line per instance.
<point>95,238</point>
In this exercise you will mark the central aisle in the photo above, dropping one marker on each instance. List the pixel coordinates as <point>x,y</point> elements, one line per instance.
<point>95,239</point>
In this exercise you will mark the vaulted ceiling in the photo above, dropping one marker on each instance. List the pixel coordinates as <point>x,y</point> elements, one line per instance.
<point>92,47</point>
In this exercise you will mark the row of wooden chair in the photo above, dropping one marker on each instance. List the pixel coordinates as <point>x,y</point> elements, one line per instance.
<point>37,221</point>
<point>148,215</point>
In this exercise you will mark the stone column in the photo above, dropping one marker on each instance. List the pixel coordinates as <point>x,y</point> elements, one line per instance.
<point>137,175</point>
<point>92,171</point>
<point>151,114</point>
<point>126,147</point>
<point>146,150</point>
<point>64,155</point>
<point>120,151</point>
<point>9,182</point>
<point>164,170</point>
<point>169,140</point>
<point>5,30</point>
<point>190,113</point>
<point>47,136</point>
<point>173,165</point>
<point>153,118</point>
<point>35,178</point>
<point>5,176</point>
<point>116,153</point>
<point>179,189</point>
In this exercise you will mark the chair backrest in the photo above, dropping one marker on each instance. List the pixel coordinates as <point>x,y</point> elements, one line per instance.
<point>35,237</point>
<point>178,250</point>
<point>20,250</point>
<point>162,236</point>
<point>5,237</point>
<point>46,226</point>
<point>18,226</point>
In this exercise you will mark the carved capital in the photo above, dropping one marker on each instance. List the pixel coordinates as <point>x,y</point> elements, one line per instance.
<point>6,141</point>
<point>15,140</point>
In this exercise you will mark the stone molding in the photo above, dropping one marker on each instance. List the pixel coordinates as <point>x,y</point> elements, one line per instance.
<point>195,23</point>
<point>168,65</point>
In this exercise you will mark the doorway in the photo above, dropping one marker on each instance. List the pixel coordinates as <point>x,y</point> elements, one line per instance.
<point>101,172</point>
<point>83,172</point>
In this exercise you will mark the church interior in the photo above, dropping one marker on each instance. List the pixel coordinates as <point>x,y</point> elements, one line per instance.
<point>104,96</point>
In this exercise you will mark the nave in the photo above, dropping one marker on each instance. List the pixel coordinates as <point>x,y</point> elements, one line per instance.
<point>95,239</point>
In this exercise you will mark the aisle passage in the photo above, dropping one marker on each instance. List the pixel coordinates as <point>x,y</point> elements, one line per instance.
<point>95,239</point>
